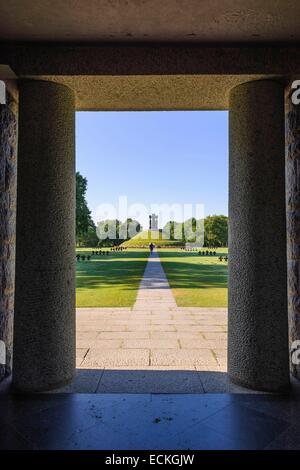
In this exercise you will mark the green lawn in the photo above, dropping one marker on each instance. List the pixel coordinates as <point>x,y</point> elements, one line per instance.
<point>109,281</point>
<point>113,280</point>
<point>196,281</point>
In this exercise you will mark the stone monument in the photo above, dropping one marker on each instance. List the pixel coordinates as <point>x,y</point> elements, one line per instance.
<point>153,222</point>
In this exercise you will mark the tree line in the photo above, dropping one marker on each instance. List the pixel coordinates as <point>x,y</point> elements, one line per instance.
<point>215,230</point>
<point>88,235</point>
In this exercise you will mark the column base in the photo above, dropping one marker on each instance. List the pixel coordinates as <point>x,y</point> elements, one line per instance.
<point>28,390</point>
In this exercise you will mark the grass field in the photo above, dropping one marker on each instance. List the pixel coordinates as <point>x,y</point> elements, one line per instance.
<point>196,281</point>
<point>113,280</point>
<point>109,281</point>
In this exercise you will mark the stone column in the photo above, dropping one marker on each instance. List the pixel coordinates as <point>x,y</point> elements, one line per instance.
<point>8,185</point>
<point>44,329</point>
<point>293,219</point>
<point>258,355</point>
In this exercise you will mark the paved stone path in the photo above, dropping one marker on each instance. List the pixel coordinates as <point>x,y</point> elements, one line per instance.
<point>153,347</point>
<point>154,292</point>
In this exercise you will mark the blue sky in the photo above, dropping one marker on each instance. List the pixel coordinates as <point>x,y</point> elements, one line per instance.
<point>154,158</point>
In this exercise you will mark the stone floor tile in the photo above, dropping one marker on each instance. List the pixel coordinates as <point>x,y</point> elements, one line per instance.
<point>199,343</point>
<point>162,328</point>
<point>162,343</point>
<point>124,335</point>
<point>85,381</point>
<point>115,357</point>
<point>80,355</point>
<point>150,381</point>
<point>215,335</point>
<point>181,356</point>
<point>104,344</point>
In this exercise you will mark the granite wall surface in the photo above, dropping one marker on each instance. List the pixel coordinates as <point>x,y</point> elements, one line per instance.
<point>8,185</point>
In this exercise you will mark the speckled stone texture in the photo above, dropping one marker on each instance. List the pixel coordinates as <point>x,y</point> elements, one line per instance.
<point>154,76</point>
<point>258,355</point>
<point>8,183</point>
<point>44,330</point>
<point>293,219</point>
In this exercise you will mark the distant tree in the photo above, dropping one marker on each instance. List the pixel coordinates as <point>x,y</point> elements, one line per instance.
<point>129,229</point>
<point>216,230</point>
<point>173,231</point>
<point>89,239</point>
<point>112,232</point>
<point>84,222</point>
<point>168,230</point>
<point>108,232</point>
<point>193,230</point>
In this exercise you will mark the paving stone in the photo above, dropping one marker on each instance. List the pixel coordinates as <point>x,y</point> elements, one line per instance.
<point>138,327</point>
<point>181,356</point>
<point>175,334</point>
<point>86,335</point>
<point>162,343</point>
<point>199,343</point>
<point>220,352</point>
<point>219,345</point>
<point>215,335</point>
<point>116,357</point>
<point>85,381</point>
<point>80,354</point>
<point>204,328</point>
<point>218,382</point>
<point>124,335</point>
<point>154,292</point>
<point>150,381</point>
<point>102,344</point>
<point>162,328</point>
<point>205,309</point>
<point>209,322</point>
<point>161,368</point>
<point>140,314</point>
<point>99,328</point>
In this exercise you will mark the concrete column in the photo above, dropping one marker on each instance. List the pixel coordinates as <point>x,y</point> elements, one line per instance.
<point>293,221</point>
<point>44,329</point>
<point>258,355</point>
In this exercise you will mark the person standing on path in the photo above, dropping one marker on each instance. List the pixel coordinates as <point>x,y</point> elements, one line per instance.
<point>151,246</point>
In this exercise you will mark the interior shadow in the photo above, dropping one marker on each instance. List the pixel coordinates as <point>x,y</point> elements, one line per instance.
<point>150,381</point>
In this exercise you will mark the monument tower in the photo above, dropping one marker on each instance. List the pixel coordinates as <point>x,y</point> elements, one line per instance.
<point>153,222</point>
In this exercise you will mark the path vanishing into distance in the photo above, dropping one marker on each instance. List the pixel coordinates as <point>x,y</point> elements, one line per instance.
<point>153,347</point>
<point>154,293</point>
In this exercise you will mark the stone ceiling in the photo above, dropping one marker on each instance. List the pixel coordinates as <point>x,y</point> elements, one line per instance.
<point>210,21</point>
<point>150,54</point>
